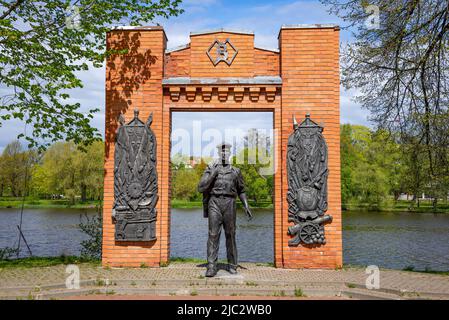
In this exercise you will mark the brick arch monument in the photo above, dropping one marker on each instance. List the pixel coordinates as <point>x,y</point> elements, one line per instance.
<point>221,70</point>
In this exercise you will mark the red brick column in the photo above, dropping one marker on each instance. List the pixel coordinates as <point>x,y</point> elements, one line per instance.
<point>134,80</point>
<point>310,75</point>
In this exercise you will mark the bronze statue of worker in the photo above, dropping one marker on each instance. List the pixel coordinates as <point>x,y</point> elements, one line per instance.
<point>220,184</point>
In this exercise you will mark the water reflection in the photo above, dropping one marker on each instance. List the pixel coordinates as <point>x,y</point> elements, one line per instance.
<point>396,240</point>
<point>49,232</point>
<point>254,238</point>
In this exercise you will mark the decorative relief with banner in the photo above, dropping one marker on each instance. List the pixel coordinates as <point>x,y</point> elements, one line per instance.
<point>307,173</point>
<point>135,181</point>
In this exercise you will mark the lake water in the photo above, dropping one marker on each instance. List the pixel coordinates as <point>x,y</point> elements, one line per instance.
<point>390,240</point>
<point>49,232</point>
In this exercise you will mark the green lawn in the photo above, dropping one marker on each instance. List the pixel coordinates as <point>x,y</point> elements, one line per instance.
<point>35,262</point>
<point>32,262</point>
<point>399,206</point>
<point>9,202</point>
<point>183,260</point>
<point>186,204</point>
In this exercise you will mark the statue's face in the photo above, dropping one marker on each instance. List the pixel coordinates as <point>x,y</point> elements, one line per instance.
<point>224,155</point>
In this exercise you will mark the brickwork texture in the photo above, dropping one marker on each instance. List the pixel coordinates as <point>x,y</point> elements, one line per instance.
<point>308,64</point>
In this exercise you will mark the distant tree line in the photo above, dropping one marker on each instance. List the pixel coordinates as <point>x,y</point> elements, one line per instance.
<point>185,178</point>
<point>186,174</point>
<point>63,170</point>
<point>377,167</point>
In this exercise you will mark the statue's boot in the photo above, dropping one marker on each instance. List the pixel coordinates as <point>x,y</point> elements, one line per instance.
<point>232,269</point>
<point>211,270</point>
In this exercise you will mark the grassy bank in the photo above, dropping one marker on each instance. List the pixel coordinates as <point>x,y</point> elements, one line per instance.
<point>36,262</point>
<point>204,261</point>
<point>61,204</point>
<point>185,204</point>
<point>386,206</point>
<point>33,262</point>
<point>399,206</point>
<point>31,203</point>
<point>427,270</point>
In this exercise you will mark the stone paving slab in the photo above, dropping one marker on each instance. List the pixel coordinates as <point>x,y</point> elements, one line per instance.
<point>205,297</point>
<point>251,278</point>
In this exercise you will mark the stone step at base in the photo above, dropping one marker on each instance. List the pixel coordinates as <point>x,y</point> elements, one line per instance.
<point>219,291</point>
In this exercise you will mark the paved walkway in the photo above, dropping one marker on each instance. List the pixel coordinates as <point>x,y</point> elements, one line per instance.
<point>187,280</point>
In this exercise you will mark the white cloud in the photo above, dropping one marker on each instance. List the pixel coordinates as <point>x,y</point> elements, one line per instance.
<point>178,30</point>
<point>10,130</point>
<point>350,111</point>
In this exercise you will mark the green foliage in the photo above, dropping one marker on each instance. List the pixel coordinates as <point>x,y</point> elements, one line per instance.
<point>251,163</point>
<point>251,284</point>
<point>6,253</point>
<point>43,47</point>
<point>185,179</point>
<point>32,262</point>
<point>184,185</point>
<point>183,260</point>
<point>164,264</point>
<point>377,167</point>
<point>67,170</point>
<point>32,203</point>
<point>399,69</point>
<point>194,293</point>
<point>265,264</point>
<point>280,293</point>
<point>186,204</point>
<point>15,167</point>
<point>93,227</point>
<point>418,177</point>
<point>298,292</point>
<point>371,166</point>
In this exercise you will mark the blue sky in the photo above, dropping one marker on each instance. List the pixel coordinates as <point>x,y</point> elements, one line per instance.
<point>264,18</point>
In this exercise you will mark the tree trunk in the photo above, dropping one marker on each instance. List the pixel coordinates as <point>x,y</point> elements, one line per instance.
<point>434,204</point>
<point>83,192</point>
<point>14,191</point>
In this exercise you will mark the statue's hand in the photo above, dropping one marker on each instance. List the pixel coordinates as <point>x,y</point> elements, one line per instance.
<point>248,214</point>
<point>215,170</point>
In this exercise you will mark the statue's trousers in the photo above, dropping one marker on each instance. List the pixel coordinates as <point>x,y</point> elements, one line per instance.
<point>222,212</point>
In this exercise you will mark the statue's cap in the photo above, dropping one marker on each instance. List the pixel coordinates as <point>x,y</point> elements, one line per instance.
<point>224,145</point>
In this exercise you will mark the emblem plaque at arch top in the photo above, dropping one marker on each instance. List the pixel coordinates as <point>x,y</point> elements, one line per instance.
<point>221,52</point>
<point>135,180</point>
<point>307,173</point>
